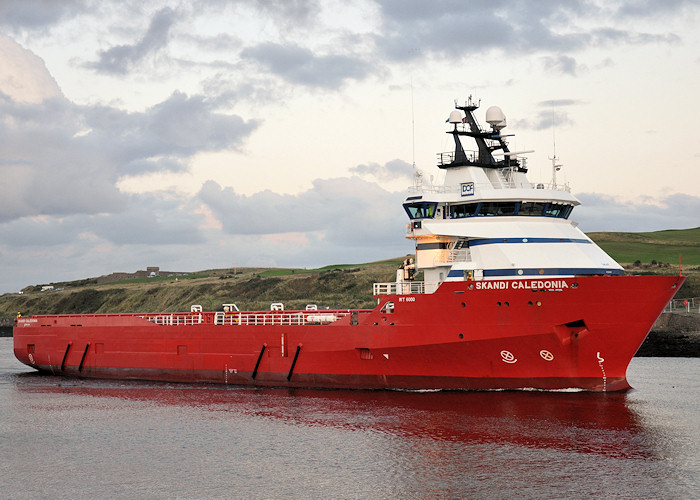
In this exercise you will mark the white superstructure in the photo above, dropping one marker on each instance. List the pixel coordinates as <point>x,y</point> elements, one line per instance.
<point>487,221</point>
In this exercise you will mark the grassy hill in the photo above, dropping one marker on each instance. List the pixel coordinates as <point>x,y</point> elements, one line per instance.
<point>659,246</point>
<point>345,286</point>
<point>342,286</point>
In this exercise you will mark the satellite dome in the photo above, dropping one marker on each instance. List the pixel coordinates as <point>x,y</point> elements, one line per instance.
<point>495,117</point>
<point>456,117</point>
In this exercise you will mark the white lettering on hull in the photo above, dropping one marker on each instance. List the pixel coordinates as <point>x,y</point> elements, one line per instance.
<point>522,285</point>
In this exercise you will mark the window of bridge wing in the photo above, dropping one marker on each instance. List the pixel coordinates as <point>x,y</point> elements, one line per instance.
<point>463,210</point>
<point>495,208</point>
<point>420,210</point>
<point>560,210</point>
<point>532,208</point>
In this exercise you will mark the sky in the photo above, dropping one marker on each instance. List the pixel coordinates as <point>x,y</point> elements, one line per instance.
<point>204,134</point>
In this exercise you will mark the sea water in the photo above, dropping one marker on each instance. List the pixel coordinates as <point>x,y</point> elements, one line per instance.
<point>72,438</point>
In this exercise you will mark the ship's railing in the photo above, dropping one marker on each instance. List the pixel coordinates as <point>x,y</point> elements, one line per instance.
<point>550,186</point>
<point>249,318</point>
<point>429,188</point>
<point>404,288</point>
<point>174,319</point>
<point>456,188</point>
<point>459,255</point>
<point>448,157</point>
<point>452,256</point>
<point>280,318</point>
<point>684,305</point>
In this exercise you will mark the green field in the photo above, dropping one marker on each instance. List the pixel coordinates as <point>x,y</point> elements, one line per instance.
<point>657,246</point>
<point>337,267</point>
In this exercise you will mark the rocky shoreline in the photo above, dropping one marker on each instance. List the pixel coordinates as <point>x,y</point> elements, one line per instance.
<point>675,334</point>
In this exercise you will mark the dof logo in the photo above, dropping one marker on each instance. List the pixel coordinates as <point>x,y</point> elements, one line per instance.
<point>467,189</point>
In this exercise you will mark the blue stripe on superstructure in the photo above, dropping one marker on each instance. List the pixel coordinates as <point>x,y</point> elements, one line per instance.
<point>552,271</point>
<point>491,241</point>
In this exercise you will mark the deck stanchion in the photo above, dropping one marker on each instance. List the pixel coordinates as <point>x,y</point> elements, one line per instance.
<point>82,360</point>
<point>63,363</point>
<point>257,364</point>
<point>294,362</point>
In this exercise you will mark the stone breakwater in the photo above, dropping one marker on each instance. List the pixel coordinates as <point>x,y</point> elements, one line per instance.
<point>6,326</point>
<point>674,335</point>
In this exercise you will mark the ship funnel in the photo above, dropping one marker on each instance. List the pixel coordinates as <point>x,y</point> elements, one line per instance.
<point>495,118</point>
<point>455,117</point>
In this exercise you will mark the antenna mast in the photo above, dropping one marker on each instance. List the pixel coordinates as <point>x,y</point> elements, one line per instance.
<point>555,166</point>
<point>413,129</point>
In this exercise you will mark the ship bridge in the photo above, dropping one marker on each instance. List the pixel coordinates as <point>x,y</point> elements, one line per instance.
<point>488,221</point>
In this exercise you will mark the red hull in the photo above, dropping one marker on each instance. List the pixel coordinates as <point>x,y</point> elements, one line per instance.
<point>510,334</point>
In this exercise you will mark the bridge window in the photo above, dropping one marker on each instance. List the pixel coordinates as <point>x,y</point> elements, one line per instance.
<point>558,210</point>
<point>498,208</point>
<point>531,208</point>
<point>490,208</point>
<point>464,210</point>
<point>420,210</point>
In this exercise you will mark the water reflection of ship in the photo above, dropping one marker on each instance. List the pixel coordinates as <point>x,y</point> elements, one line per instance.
<point>602,424</point>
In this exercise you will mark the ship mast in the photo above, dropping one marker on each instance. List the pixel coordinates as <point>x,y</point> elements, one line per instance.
<point>487,141</point>
<point>556,167</point>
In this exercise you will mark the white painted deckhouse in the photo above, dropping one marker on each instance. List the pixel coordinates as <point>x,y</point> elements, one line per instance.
<point>488,222</point>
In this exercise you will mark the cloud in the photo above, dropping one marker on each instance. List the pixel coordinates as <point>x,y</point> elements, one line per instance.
<point>561,64</point>
<point>651,8</point>
<point>560,103</point>
<point>413,29</point>
<point>158,218</point>
<point>16,14</point>
<point>23,75</point>
<point>390,171</point>
<point>300,65</point>
<point>290,14</point>
<point>603,213</point>
<point>150,219</point>
<point>85,150</point>
<point>552,113</point>
<point>348,211</point>
<point>120,59</point>
<point>180,126</point>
